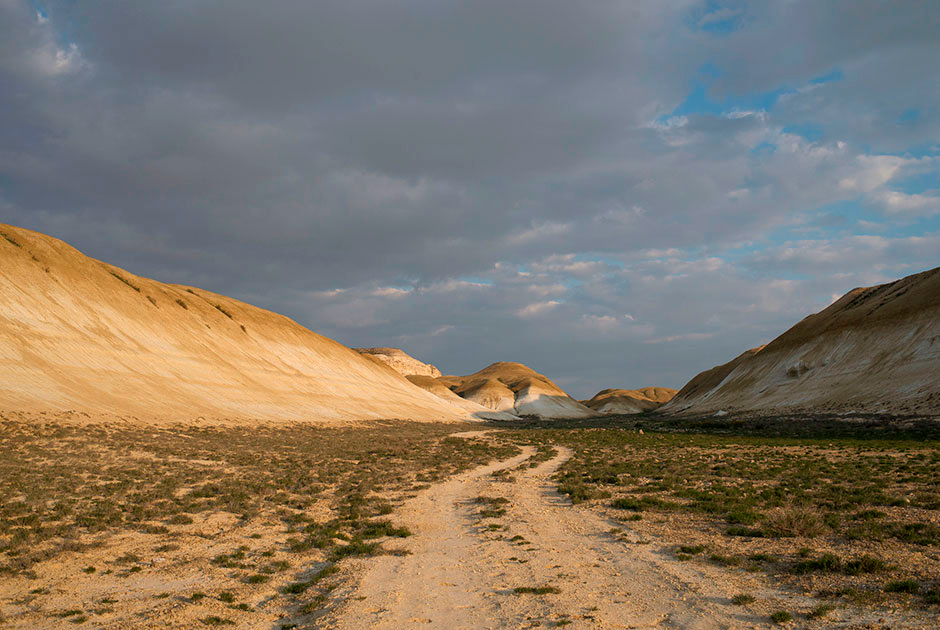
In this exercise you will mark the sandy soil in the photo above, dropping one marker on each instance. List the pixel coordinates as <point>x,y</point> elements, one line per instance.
<point>461,571</point>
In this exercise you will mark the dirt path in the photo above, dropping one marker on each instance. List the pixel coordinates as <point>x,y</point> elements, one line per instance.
<point>460,573</point>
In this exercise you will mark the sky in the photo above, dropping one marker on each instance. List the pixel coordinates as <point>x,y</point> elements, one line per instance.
<point>615,193</point>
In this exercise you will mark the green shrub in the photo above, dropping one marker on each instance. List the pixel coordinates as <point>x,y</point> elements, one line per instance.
<point>820,611</point>
<point>902,586</point>
<point>827,562</point>
<point>864,564</point>
<point>536,590</point>
<point>781,616</point>
<point>691,550</point>
<point>791,522</point>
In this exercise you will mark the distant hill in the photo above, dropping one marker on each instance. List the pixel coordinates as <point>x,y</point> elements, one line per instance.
<point>438,388</point>
<point>80,335</point>
<point>400,361</point>
<point>876,349</point>
<point>518,389</point>
<point>630,401</point>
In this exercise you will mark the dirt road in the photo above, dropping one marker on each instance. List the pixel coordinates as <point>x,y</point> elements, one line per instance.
<point>463,569</point>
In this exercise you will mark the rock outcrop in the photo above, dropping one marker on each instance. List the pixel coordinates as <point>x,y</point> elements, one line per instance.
<point>400,361</point>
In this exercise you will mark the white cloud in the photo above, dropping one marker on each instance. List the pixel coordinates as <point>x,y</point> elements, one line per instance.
<point>537,233</point>
<point>902,203</point>
<point>873,172</point>
<point>602,323</point>
<point>453,284</point>
<point>391,292</point>
<point>544,290</point>
<point>694,336</point>
<point>536,309</point>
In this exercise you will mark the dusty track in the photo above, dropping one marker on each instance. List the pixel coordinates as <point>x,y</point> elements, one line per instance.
<point>460,575</point>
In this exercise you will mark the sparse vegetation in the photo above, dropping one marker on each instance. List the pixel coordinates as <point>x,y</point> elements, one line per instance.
<point>125,281</point>
<point>820,612</point>
<point>333,493</point>
<point>59,482</point>
<point>907,585</point>
<point>774,482</point>
<point>691,550</point>
<point>536,590</point>
<point>932,597</point>
<point>781,616</point>
<point>182,303</point>
<point>10,239</point>
<point>222,310</point>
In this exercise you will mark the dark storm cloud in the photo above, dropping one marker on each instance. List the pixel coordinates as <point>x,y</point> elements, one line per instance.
<point>384,170</point>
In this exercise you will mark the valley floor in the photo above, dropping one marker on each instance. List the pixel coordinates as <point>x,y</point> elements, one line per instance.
<point>497,550</point>
<point>399,525</point>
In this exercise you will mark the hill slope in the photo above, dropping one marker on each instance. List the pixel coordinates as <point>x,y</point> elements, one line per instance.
<point>433,385</point>
<point>629,401</point>
<point>400,361</point>
<point>518,389</point>
<point>876,349</point>
<point>79,334</point>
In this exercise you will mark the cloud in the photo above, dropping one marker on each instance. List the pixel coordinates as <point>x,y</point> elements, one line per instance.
<point>683,337</point>
<point>537,233</point>
<point>391,292</point>
<point>537,308</point>
<point>517,174</point>
<point>896,202</point>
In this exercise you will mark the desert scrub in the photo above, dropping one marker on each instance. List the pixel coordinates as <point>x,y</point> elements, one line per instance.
<point>125,281</point>
<point>820,611</point>
<point>492,506</point>
<point>59,481</point>
<point>781,616</point>
<point>772,483</point>
<point>902,586</point>
<point>536,590</point>
<point>9,239</point>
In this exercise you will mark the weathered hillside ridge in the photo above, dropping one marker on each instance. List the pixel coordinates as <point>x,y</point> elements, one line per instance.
<point>875,350</point>
<point>629,401</point>
<point>517,389</point>
<point>80,335</point>
<point>477,410</point>
<point>502,391</point>
<point>400,361</point>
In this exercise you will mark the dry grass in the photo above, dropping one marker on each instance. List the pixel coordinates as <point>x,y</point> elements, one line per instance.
<point>835,508</point>
<point>250,513</point>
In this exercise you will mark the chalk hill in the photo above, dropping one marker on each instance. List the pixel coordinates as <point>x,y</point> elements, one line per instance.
<point>400,361</point>
<point>876,349</point>
<point>82,335</point>
<point>515,388</point>
<point>629,401</point>
<point>440,390</point>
